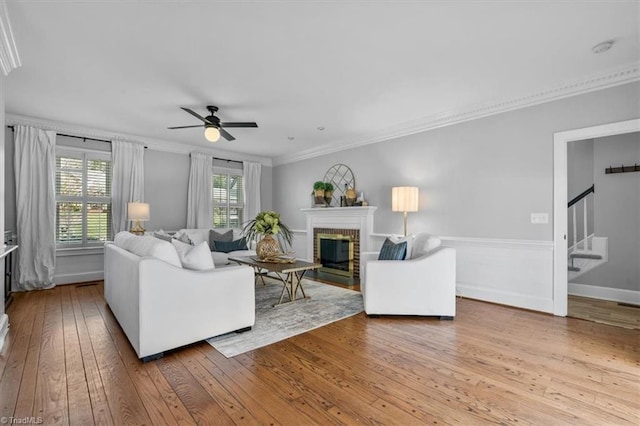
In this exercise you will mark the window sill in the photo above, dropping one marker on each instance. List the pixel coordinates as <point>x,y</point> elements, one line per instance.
<point>79,251</point>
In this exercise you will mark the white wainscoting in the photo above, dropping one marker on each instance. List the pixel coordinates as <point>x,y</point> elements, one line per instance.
<point>510,272</point>
<point>79,267</point>
<point>605,293</point>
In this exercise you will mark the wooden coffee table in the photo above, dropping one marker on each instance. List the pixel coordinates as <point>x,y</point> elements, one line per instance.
<point>290,274</point>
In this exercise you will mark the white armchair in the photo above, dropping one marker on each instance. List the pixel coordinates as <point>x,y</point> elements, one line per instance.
<point>423,284</point>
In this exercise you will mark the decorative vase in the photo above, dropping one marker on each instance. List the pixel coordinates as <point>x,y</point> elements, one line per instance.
<point>267,247</point>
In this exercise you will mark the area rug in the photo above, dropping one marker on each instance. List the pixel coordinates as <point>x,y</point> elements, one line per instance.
<point>326,304</point>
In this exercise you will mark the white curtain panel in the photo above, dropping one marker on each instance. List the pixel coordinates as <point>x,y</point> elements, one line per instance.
<point>34,163</point>
<point>127,182</point>
<point>251,173</point>
<point>199,202</point>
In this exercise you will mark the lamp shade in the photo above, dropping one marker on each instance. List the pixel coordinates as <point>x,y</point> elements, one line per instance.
<point>404,199</point>
<point>138,211</point>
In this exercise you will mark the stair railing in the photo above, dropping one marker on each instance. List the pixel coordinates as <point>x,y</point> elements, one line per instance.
<point>573,204</point>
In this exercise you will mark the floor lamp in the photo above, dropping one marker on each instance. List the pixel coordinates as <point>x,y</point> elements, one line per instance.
<point>404,199</point>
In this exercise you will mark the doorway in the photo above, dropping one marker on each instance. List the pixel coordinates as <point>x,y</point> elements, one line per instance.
<point>560,201</point>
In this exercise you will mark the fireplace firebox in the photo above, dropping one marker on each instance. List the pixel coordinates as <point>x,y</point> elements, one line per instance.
<point>336,253</point>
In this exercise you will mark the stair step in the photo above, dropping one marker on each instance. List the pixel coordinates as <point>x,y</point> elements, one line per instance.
<point>585,256</point>
<point>574,269</point>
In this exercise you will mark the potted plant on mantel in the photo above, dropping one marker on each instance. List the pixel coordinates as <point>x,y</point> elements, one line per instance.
<point>318,192</point>
<point>328,192</point>
<point>267,224</point>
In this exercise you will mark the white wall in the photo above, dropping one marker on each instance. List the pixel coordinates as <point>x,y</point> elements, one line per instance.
<point>479,181</point>
<point>617,213</point>
<point>2,195</point>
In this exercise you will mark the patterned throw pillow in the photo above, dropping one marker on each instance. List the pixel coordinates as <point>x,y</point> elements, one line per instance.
<point>226,247</point>
<point>392,251</point>
<point>215,236</point>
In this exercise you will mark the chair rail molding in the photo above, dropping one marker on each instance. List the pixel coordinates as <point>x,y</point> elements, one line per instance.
<point>9,57</point>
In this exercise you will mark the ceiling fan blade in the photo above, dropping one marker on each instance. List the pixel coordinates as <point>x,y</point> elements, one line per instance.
<point>240,124</point>
<point>186,127</point>
<point>195,114</point>
<point>226,135</point>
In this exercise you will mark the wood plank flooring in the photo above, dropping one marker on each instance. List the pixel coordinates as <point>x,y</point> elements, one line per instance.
<point>67,361</point>
<point>604,311</point>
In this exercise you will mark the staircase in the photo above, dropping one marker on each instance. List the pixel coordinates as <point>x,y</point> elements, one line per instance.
<point>590,251</point>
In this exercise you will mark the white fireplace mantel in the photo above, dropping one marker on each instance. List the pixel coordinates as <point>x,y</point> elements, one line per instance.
<point>360,218</point>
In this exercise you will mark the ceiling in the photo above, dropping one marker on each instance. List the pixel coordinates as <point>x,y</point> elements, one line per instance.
<point>358,69</point>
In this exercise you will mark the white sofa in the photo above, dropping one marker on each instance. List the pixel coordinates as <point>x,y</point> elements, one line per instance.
<point>198,235</point>
<point>423,284</point>
<point>162,306</point>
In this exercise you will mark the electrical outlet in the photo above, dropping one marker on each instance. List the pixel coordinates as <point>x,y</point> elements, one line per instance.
<point>540,218</point>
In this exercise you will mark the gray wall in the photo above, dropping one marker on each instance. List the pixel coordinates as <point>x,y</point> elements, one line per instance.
<point>166,178</point>
<point>579,178</point>
<point>617,213</point>
<point>482,178</point>
<point>2,188</point>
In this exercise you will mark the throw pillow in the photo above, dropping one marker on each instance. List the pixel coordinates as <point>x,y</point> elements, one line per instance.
<point>226,247</point>
<point>423,244</point>
<point>194,257</point>
<point>183,238</point>
<point>215,236</point>
<point>392,251</point>
<point>162,235</point>
<point>397,239</point>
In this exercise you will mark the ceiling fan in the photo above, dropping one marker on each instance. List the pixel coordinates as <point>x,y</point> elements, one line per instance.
<point>213,127</point>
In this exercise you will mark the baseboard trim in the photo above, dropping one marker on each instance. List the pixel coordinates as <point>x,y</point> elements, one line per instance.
<point>4,329</point>
<point>79,277</point>
<point>605,293</point>
<point>473,291</point>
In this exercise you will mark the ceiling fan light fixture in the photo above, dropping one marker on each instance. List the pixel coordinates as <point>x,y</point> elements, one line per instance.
<point>212,133</point>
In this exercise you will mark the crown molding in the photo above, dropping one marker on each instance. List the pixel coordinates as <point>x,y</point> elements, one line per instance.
<point>9,58</point>
<point>626,74</point>
<point>150,143</point>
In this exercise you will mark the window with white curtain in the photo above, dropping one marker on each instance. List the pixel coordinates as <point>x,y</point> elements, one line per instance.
<point>228,198</point>
<point>83,198</point>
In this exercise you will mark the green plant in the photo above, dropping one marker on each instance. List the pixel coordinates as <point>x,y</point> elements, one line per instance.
<point>268,223</point>
<point>328,187</point>
<point>319,185</point>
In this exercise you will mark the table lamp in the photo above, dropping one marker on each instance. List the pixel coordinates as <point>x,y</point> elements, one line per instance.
<point>404,199</point>
<point>137,212</point>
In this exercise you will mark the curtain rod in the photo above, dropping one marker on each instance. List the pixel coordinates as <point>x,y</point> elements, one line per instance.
<point>227,160</point>
<point>84,138</point>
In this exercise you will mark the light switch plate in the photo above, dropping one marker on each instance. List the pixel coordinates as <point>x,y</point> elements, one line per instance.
<point>540,218</point>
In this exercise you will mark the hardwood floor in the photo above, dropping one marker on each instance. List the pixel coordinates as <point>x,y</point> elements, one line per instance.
<point>67,361</point>
<point>604,311</point>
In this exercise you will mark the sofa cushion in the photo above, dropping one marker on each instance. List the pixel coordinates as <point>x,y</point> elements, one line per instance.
<point>148,245</point>
<point>392,251</point>
<point>227,247</point>
<point>194,257</point>
<point>215,237</point>
<point>423,243</point>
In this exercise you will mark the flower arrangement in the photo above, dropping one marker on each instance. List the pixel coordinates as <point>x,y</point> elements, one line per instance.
<point>268,223</point>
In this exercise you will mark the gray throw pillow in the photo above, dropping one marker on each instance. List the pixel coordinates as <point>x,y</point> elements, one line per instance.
<point>214,236</point>
<point>162,236</point>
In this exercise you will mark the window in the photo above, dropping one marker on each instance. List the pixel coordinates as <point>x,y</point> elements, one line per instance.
<point>83,198</point>
<point>228,198</point>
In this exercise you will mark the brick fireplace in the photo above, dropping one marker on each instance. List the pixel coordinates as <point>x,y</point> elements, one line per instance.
<point>347,224</point>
